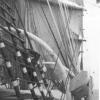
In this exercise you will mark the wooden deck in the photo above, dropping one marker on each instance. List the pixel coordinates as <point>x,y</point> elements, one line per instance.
<point>9,94</point>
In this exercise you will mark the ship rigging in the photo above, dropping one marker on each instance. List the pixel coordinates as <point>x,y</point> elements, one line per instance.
<point>40,45</point>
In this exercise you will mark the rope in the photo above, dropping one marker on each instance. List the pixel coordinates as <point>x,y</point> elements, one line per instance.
<point>67,28</point>
<point>48,22</point>
<point>62,45</point>
<point>74,51</point>
<point>52,73</point>
<point>64,36</point>
<point>37,32</point>
<point>52,33</point>
<point>23,27</point>
<point>54,36</point>
<point>22,59</point>
<point>59,32</point>
<point>8,62</point>
<point>70,37</point>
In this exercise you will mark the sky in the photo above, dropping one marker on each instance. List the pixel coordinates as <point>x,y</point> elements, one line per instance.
<point>91,26</point>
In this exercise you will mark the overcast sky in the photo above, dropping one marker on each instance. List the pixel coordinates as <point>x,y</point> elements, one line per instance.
<point>92,35</point>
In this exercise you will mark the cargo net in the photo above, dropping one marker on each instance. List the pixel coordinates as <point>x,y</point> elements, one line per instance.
<point>20,68</point>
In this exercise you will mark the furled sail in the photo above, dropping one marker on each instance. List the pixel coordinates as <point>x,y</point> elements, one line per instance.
<point>54,27</point>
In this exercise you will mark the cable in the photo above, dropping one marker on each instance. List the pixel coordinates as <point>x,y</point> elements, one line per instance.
<point>38,84</point>
<point>56,42</point>
<point>35,28</point>
<point>53,72</point>
<point>48,4</point>
<point>54,36</point>
<point>24,28</point>
<point>71,39</point>
<point>67,40</point>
